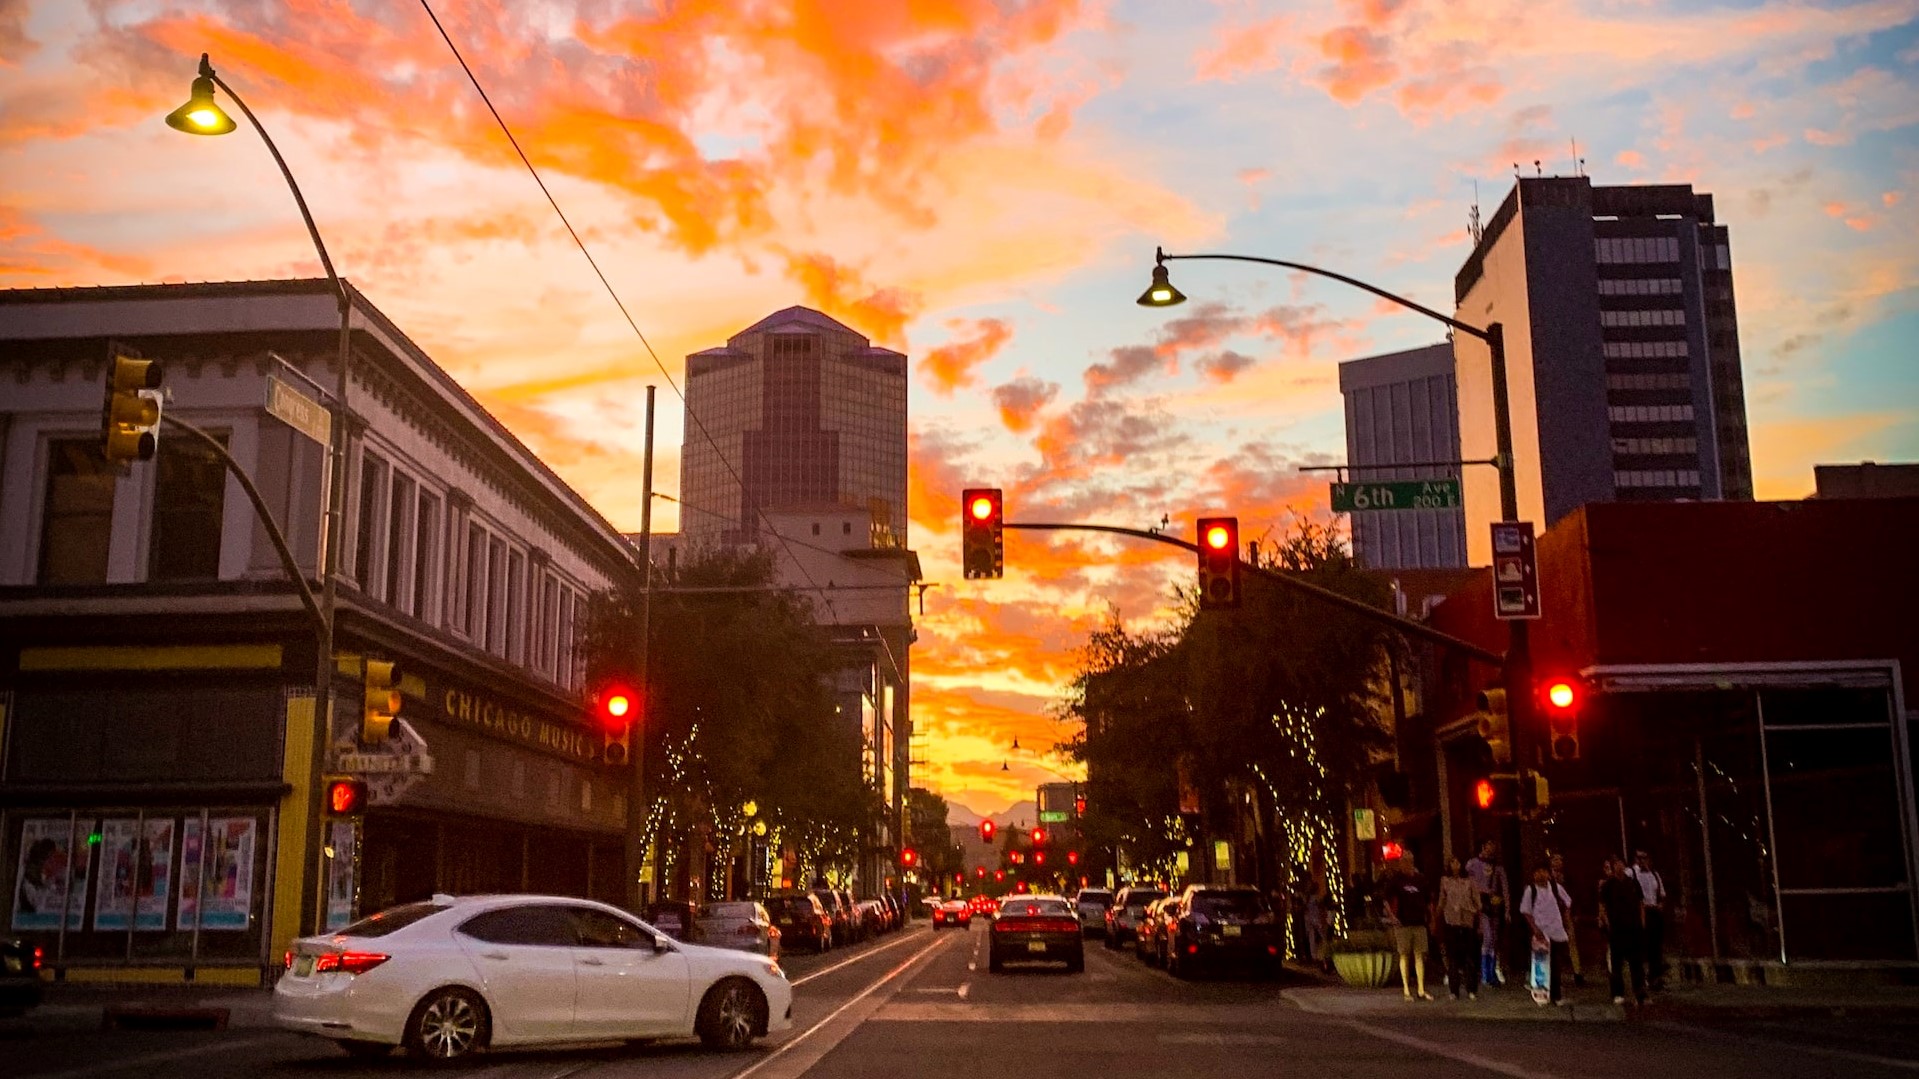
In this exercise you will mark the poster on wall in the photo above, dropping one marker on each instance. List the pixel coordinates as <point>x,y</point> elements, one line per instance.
<point>342,859</point>
<point>52,873</point>
<point>192,866</point>
<point>226,891</point>
<point>136,875</point>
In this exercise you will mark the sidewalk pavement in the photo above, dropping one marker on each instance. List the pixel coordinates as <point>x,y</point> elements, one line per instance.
<point>1684,1002</point>
<point>70,1006</point>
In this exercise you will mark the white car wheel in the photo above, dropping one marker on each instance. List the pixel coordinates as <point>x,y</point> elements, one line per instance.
<point>450,1024</point>
<point>732,1014</point>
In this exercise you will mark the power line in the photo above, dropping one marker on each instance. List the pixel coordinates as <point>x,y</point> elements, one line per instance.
<point>617,302</point>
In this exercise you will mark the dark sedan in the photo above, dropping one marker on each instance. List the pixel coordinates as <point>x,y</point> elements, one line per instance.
<point>19,976</point>
<point>1219,927</point>
<point>1040,927</point>
<point>801,920</point>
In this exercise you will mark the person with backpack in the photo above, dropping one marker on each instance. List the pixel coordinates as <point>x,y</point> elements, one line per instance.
<point>1622,916</point>
<point>1652,892</point>
<point>1548,912</point>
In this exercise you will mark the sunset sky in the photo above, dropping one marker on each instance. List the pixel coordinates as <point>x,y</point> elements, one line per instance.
<point>981,185</point>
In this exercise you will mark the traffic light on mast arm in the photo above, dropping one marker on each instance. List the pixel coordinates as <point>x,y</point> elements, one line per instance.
<point>986,830</point>
<point>616,708</point>
<point>982,543</point>
<point>1562,699</point>
<point>1218,563</point>
<point>380,681</point>
<point>130,416</point>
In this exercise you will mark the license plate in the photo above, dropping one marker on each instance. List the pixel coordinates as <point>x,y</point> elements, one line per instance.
<point>1231,930</point>
<point>1035,945</point>
<point>302,966</point>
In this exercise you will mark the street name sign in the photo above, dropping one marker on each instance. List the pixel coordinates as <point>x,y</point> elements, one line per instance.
<point>1396,495</point>
<point>298,411</point>
<point>1515,571</point>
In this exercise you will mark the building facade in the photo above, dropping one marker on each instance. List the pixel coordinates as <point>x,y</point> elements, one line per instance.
<point>159,791</point>
<point>795,410</point>
<point>1622,351</point>
<point>1401,408</point>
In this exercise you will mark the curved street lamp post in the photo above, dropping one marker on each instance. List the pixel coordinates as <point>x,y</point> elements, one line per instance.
<point>202,115</point>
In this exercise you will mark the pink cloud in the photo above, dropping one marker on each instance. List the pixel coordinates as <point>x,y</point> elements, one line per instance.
<point>1244,49</point>
<point>954,364</point>
<point>1020,401</point>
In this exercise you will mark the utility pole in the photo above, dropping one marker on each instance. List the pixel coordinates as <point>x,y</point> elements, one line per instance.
<point>636,788</point>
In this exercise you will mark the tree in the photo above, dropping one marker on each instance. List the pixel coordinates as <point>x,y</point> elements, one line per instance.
<point>928,833</point>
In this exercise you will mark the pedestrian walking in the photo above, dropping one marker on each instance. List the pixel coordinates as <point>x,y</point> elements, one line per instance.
<point>1652,892</point>
<point>1319,922</point>
<point>1489,879</point>
<point>1622,916</point>
<point>1409,905</point>
<point>1459,923</point>
<point>1548,913</point>
<point>1557,863</point>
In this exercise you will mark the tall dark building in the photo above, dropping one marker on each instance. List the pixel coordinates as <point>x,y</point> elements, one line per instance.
<point>807,413</point>
<point>1402,409</point>
<point>1622,351</point>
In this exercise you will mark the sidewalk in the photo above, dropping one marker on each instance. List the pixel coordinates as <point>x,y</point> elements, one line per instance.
<point>73,1006</point>
<point>1694,1003</point>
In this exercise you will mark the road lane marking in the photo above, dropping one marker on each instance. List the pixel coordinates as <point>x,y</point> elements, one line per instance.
<point>1774,1043</point>
<point>932,1011</point>
<point>222,1046</point>
<point>1249,1040</point>
<point>855,959</point>
<point>799,1064</point>
<point>1449,1052</point>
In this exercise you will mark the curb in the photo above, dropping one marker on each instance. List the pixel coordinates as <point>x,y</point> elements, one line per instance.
<point>1385,1005</point>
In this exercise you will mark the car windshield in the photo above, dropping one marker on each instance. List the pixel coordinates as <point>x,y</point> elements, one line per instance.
<point>791,904</point>
<point>1104,899</point>
<point>1034,908</point>
<point>391,919</point>
<point>1229,904</point>
<point>730,910</point>
<point>1141,900</point>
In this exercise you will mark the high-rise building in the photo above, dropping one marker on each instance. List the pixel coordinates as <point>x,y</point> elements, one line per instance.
<point>797,410</point>
<point>1402,409</point>
<point>1622,351</point>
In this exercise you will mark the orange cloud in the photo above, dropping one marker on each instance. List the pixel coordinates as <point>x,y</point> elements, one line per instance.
<point>1020,401</point>
<point>1243,49</point>
<point>880,313</point>
<point>1361,63</point>
<point>953,364</point>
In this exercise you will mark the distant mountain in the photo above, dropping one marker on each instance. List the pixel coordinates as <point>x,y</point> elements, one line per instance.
<point>1018,813</point>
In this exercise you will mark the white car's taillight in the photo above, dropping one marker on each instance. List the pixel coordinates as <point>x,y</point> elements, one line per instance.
<point>347,962</point>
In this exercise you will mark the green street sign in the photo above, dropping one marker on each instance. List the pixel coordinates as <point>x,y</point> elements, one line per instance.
<point>1395,495</point>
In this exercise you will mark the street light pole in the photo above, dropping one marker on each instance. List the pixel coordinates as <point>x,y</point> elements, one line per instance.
<point>202,116</point>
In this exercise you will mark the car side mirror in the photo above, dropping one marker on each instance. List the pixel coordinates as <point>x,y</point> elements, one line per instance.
<point>661,945</point>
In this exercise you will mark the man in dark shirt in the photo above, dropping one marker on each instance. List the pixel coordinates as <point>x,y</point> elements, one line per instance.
<point>1622,913</point>
<point>1410,903</point>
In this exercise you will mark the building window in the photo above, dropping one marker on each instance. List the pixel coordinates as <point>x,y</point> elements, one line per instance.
<point>1636,249</point>
<point>372,470</point>
<point>1644,446</point>
<point>426,523</point>
<point>563,660</point>
<point>189,491</point>
<point>1664,316</point>
<point>516,607</point>
<point>1677,380</point>
<point>399,507</point>
<point>496,615</point>
<point>1645,350</point>
<point>1650,413</point>
<point>475,582</point>
<point>1639,286</point>
<point>78,516</point>
<point>1670,477</point>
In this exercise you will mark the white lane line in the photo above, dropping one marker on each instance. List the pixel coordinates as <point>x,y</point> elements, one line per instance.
<point>1439,1049</point>
<point>146,1060</point>
<point>858,958</point>
<point>1773,1043</point>
<point>786,1046</point>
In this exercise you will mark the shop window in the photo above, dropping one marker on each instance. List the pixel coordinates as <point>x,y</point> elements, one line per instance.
<point>372,472</point>
<point>77,517</point>
<point>475,582</point>
<point>399,510</point>
<point>426,533</point>
<point>189,492</point>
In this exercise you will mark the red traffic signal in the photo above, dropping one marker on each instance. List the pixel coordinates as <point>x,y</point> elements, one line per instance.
<point>986,830</point>
<point>1039,857</point>
<point>982,542</point>
<point>1218,562</point>
<point>617,706</point>
<point>909,857</point>
<point>345,797</point>
<point>1497,794</point>
<point>1390,851</point>
<point>1039,836</point>
<point>1562,699</point>
<point>979,871</point>
<point>1079,805</point>
<point>1072,857</point>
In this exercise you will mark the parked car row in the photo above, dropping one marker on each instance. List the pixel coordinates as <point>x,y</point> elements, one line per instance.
<point>1204,927</point>
<point>824,918</point>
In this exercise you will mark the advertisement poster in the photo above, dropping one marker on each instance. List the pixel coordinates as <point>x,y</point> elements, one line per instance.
<point>52,873</point>
<point>341,860</point>
<point>136,875</point>
<point>226,891</point>
<point>191,869</point>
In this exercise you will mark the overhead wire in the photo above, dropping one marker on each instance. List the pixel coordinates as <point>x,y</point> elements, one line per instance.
<point>473,78</point>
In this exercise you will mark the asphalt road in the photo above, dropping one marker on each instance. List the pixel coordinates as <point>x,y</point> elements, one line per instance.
<point>921,1003</point>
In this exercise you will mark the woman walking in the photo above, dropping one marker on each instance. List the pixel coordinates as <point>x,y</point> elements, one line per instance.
<point>1459,922</point>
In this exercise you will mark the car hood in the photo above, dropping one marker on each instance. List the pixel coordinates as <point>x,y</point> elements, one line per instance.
<point>711,960</point>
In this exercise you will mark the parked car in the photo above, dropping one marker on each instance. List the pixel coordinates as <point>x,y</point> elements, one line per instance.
<point>1036,927</point>
<point>1213,926</point>
<point>841,912</point>
<point>1122,920</point>
<point>20,987</point>
<point>803,921</point>
<point>452,977</point>
<point>742,925</point>
<point>895,913</point>
<point>953,912</point>
<point>1149,928</point>
<point>873,916</point>
<point>677,919</point>
<point>1092,905</point>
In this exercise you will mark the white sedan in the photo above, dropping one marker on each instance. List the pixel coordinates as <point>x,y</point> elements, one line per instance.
<point>453,976</point>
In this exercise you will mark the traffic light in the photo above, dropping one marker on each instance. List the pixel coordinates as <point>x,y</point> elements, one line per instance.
<point>130,416</point>
<point>999,875</point>
<point>909,858</point>
<point>979,871</point>
<point>1561,700</point>
<point>1039,837</point>
<point>1495,725</point>
<point>1079,805</point>
<point>616,706</point>
<point>345,797</point>
<point>1218,562</point>
<point>1497,793</point>
<point>1533,792</point>
<point>986,830</point>
<point>381,697</point>
<point>983,547</point>
<point>1039,857</point>
<point>1390,851</point>
<point>1072,857</point>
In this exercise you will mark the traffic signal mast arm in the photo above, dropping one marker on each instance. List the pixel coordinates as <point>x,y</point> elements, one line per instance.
<point>1404,625</point>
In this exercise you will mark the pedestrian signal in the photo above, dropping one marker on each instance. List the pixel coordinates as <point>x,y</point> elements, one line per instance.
<point>345,797</point>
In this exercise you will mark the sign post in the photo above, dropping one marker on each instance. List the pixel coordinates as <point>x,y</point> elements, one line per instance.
<point>1515,571</point>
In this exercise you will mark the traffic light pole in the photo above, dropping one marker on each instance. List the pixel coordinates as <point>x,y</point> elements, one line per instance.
<point>636,738</point>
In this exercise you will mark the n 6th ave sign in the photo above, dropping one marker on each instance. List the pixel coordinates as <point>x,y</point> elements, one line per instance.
<point>1400,495</point>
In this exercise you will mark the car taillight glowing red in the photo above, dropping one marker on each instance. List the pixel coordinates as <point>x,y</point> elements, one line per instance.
<point>39,956</point>
<point>347,962</point>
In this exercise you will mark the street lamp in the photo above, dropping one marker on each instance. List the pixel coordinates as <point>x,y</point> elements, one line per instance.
<point>202,115</point>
